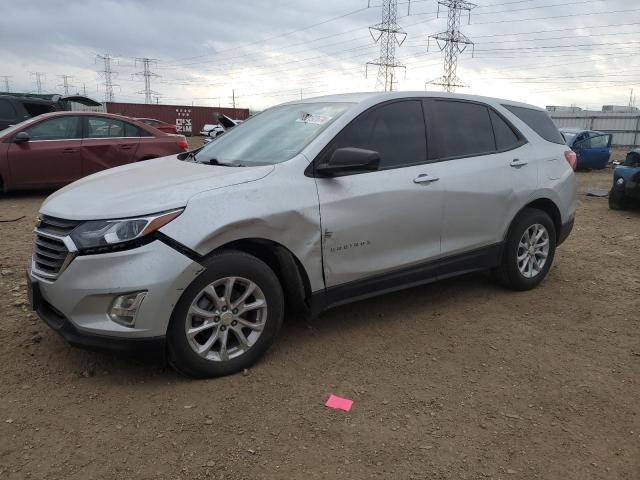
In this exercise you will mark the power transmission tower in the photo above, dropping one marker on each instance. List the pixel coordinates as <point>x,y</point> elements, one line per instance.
<point>453,42</point>
<point>147,74</point>
<point>389,35</point>
<point>40,77</point>
<point>108,76</point>
<point>6,82</point>
<point>233,99</point>
<point>65,83</point>
<point>84,89</point>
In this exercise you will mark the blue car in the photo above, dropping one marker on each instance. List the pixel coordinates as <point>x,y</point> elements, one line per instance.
<point>626,182</point>
<point>592,148</point>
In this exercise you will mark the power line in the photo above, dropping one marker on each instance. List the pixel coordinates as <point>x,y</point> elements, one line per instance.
<point>389,35</point>
<point>108,74</point>
<point>40,78</point>
<point>5,78</point>
<point>285,34</point>
<point>452,42</point>
<point>65,83</point>
<point>147,74</point>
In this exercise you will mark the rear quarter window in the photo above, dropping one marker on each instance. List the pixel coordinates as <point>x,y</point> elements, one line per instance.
<point>539,121</point>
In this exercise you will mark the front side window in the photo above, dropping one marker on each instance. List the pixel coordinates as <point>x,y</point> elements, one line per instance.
<point>395,130</point>
<point>460,129</point>
<point>599,141</point>
<point>274,136</point>
<point>61,128</point>
<point>105,128</point>
<point>568,136</point>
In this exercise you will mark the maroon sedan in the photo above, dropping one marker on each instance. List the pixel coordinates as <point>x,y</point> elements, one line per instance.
<point>160,125</point>
<point>54,149</point>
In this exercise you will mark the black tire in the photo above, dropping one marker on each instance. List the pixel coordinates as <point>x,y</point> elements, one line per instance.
<point>228,263</point>
<point>508,274</point>
<point>617,200</point>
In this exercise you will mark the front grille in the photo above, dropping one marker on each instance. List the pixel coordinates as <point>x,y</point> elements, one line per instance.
<point>51,253</point>
<point>57,226</point>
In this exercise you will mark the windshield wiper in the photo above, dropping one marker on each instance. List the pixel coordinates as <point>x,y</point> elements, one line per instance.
<point>215,161</point>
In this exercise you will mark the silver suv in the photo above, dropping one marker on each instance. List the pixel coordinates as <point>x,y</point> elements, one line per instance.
<point>306,206</point>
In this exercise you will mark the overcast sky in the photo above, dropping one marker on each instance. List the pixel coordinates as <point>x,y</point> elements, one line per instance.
<point>545,52</point>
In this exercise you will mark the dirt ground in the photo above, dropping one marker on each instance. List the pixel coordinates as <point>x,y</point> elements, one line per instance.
<point>455,380</point>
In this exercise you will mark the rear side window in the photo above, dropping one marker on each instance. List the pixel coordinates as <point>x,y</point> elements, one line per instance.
<point>7,112</point>
<point>61,128</point>
<point>105,128</point>
<point>395,130</point>
<point>539,122</point>
<point>131,130</point>
<point>460,129</point>
<point>506,137</point>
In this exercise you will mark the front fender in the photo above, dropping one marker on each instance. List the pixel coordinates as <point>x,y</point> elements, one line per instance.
<point>282,207</point>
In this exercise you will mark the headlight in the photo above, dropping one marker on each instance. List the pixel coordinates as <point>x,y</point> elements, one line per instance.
<point>97,234</point>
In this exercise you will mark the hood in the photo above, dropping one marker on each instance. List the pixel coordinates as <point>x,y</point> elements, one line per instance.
<point>142,188</point>
<point>225,121</point>
<point>89,102</point>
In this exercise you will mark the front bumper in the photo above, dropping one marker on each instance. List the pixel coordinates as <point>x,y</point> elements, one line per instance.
<point>630,188</point>
<point>76,304</point>
<point>148,348</point>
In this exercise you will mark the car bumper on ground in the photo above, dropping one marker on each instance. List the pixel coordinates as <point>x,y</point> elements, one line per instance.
<point>77,303</point>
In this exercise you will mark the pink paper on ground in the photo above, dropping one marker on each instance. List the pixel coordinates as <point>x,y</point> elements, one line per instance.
<point>339,403</point>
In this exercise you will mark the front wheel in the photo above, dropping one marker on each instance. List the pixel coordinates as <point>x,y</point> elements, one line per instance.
<point>227,318</point>
<point>528,252</point>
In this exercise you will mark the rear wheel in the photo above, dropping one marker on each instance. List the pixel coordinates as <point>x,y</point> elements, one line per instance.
<point>617,200</point>
<point>528,252</point>
<point>227,318</point>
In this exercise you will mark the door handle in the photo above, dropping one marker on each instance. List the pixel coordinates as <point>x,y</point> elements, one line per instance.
<point>70,150</point>
<point>424,178</point>
<point>518,163</point>
<point>126,147</point>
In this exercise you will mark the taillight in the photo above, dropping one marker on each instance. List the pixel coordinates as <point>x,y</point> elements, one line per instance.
<point>183,144</point>
<point>572,158</point>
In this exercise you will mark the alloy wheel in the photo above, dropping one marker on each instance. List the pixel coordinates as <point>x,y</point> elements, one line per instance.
<point>533,250</point>
<point>226,318</point>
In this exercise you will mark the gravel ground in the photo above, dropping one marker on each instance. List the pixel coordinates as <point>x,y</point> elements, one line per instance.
<point>455,380</point>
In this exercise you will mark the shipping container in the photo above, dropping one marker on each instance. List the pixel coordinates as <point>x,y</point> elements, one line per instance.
<point>188,120</point>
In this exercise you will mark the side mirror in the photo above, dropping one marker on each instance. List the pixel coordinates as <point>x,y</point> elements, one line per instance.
<point>21,137</point>
<point>349,160</point>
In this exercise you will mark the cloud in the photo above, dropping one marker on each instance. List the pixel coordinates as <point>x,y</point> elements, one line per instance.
<point>206,49</point>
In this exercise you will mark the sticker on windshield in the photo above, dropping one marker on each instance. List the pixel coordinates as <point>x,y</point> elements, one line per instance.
<point>306,117</point>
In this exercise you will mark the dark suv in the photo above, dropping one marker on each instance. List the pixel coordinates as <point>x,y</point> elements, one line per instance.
<point>626,182</point>
<point>20,107</point>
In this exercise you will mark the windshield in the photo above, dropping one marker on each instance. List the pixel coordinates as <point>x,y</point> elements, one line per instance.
<point>568,136</point>
<point>275,135</point>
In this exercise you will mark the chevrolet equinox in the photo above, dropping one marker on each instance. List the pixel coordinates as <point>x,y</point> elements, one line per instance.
<point>306,206</point>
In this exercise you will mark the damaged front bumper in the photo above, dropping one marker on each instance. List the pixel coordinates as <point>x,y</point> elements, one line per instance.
<point>78,302</point>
